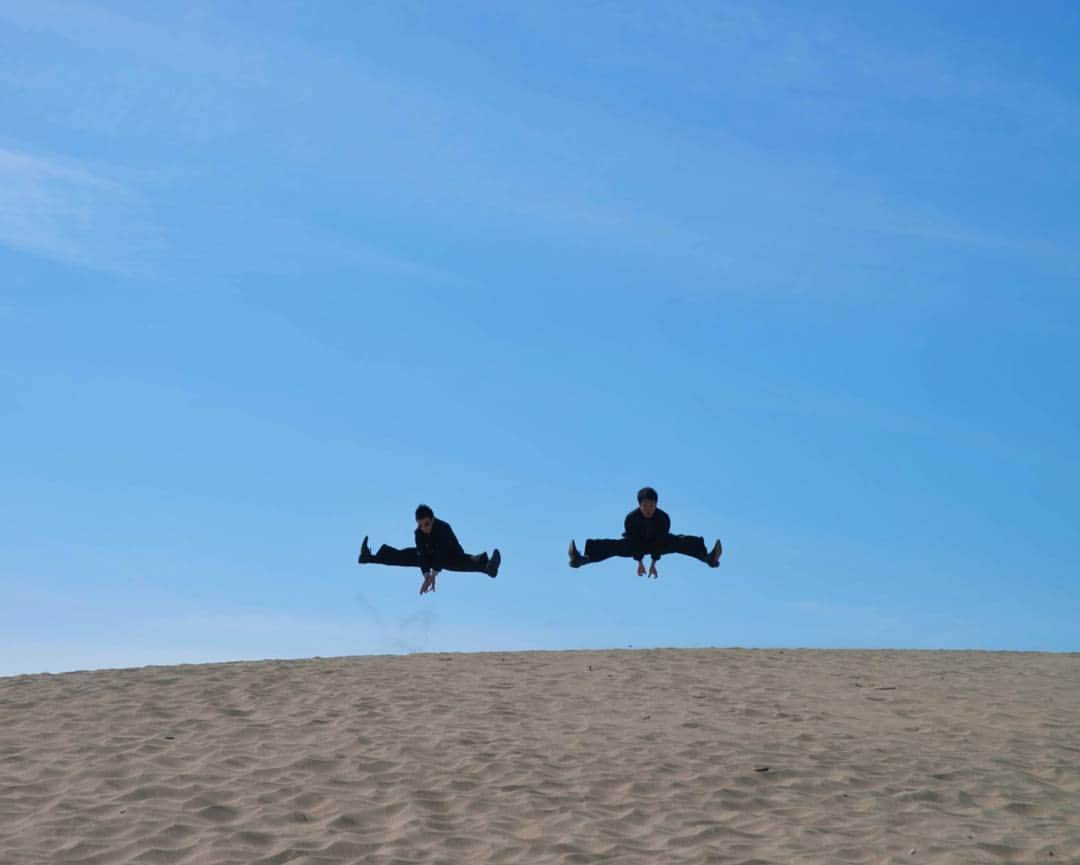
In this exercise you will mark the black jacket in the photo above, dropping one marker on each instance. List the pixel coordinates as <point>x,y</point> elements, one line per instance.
<point>646,535</point>
<point>439,548</point>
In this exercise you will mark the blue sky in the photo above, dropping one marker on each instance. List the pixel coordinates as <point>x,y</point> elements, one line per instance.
<point>271,275</point>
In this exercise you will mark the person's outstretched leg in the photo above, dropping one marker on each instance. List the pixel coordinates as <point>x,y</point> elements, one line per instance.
<point>478,564</point>
<point>598,549</point>
<point>387,555</point>
<point>694,547</point>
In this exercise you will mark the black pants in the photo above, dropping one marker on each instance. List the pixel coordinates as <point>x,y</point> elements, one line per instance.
<point>687,545</point>
<point>409,558</point>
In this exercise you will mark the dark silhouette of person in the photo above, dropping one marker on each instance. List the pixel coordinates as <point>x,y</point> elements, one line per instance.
<point>647,531</point>
<point>436,549</point>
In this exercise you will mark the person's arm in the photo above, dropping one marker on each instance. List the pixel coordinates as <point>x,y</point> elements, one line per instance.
<point>449,542</point>
<point>663,529</point>
<point>633,535</point>
<point>423,550</point>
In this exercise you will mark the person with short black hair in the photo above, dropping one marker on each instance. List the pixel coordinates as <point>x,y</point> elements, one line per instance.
<point>646,531</point>
<point>436,549</point>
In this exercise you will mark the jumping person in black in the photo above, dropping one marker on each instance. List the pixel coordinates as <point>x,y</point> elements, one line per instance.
<point>437,549</point>
<point>646,530</point>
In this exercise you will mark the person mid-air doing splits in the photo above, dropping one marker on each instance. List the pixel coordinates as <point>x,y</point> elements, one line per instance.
<point>437,549</point>
<point>647,531</point>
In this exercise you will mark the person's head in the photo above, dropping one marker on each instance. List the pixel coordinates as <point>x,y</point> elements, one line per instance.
<point>647,498</point>
<point>425,519</point>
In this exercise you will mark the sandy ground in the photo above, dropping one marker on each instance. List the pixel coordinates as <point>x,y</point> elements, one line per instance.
<point>668,756</point>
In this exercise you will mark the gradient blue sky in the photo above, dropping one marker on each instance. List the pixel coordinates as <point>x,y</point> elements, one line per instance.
<point>273,273</point>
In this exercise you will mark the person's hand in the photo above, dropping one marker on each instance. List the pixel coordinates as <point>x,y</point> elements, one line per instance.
<point>640,569</point>
<point>652,570</point>
<point>429,583</point>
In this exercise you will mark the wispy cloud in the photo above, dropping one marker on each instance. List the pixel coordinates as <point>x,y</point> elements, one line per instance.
<point>62,210</point>
<point>581,173</point>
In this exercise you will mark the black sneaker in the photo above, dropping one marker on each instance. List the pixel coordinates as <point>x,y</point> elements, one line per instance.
<point>576,558</point>
<point>493,564</point>
<point>365,553</point>
<point>714,556</point>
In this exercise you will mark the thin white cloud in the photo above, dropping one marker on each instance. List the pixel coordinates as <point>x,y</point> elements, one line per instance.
<point>724,201</point>
<point>45,205</point>
<point>62,210</point>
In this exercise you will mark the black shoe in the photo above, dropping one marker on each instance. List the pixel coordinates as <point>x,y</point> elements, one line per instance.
<point>365,553</point>
<point>576,558</point>
<point>714,556</point>
<point>493,564</point>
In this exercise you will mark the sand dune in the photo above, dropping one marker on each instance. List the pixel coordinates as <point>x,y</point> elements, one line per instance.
<point>718,756</point>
